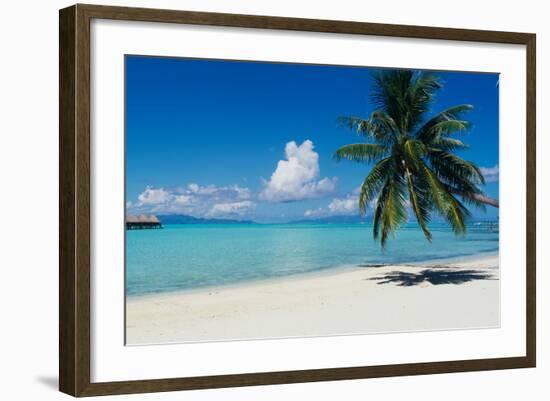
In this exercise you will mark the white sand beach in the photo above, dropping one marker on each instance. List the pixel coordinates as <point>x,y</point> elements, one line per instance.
<point>435,295</point>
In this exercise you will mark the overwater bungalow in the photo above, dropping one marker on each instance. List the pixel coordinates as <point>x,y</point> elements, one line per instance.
<point>142,222</point>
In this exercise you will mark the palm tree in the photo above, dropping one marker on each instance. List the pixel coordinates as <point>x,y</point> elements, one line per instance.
<point>413,156</point>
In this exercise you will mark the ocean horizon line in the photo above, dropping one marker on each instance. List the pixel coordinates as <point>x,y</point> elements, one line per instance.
<point>335,219</point>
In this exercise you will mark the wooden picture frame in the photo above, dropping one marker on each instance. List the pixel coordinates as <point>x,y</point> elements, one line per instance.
<point>74,200</point>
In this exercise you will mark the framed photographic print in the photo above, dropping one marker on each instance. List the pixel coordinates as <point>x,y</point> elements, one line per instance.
<point>250,200</point>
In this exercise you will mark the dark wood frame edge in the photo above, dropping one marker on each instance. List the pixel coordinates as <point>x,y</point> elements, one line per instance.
<point>74,200</point>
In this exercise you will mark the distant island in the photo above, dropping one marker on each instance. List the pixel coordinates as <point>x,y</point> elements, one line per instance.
<point>185,219</point>
<point>337,219</point>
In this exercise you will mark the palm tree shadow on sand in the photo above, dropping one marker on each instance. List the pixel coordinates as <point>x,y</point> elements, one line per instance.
<point>433,276</point>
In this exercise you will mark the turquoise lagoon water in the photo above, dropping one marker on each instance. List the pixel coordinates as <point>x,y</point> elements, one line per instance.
<point>190,256</point>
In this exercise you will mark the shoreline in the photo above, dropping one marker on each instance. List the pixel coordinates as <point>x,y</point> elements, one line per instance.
<point>432,295</point>
<point>461,260</point>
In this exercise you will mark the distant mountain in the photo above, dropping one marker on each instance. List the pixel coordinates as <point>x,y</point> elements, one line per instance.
<point>184,219</point>
<point>342,219</point>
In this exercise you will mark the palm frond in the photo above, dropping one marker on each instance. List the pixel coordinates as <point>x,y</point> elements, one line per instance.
<point>457,215</point>
<point>388,94</point>
<point>373,182</point>
<point>443,130</point>
<point>379,126</point>
<point>447,144</point>
<point>390,210</point>
<point>446,204</point>
<point>421,208</point>
<point>455,168</point>
<point>360,152</point>
<point>382,127</point>
<point>420,95</point>
<point>355,123</point>
<point>447,121</point>
<point>414,152</point>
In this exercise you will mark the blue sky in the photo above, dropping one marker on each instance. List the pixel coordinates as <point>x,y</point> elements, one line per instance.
<point>255,140</point>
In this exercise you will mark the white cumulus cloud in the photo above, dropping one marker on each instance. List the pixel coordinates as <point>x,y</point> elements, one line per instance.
<point>337,207</point>
<point>194,200</point>
<point>345,205</point>
<point>348,205</point>
<point>231,209</point>
<point>490,173</point>
<point>152,196</point>
<point>297,177</point>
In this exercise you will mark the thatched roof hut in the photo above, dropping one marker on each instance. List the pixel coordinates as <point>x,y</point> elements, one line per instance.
<point>142,222</point>
<point>130,218</point>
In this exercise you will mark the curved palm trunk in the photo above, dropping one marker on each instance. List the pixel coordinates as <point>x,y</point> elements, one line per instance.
<point>482,199</point>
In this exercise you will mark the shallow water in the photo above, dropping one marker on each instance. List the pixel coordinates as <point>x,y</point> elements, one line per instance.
<point>190,256</point>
